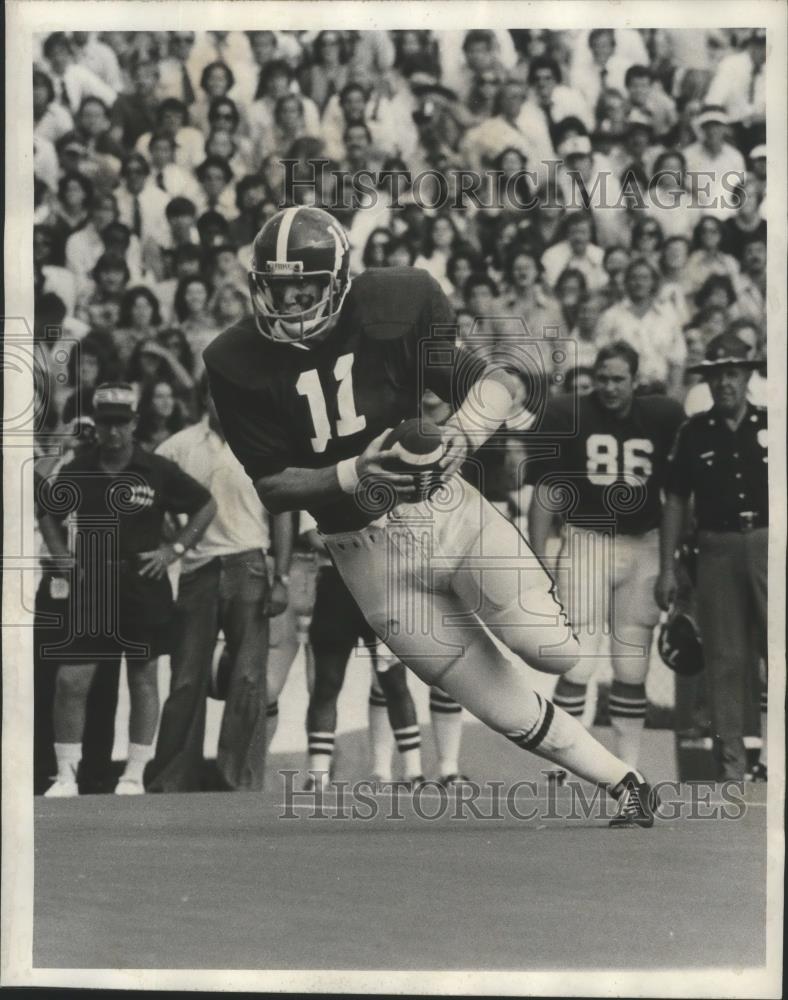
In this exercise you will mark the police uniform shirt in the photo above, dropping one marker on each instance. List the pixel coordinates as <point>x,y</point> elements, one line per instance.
<point>725,470</point>
<point>609,468</point>
<point>119,514</point>
<point>282,406</point>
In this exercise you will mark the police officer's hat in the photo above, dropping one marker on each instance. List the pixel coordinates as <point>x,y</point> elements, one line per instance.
<point>115,401</point>
<point>725,350</point>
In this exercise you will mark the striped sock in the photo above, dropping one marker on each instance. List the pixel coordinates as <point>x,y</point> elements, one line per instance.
<point>446,716</point>
<point>271,723</point>
<point>381,739</point>
<point>321,750</point>
<point>627,703</point>
<point>764,701</point>
<point>571,697</point>
<point>552,734</point>
<point>409,745</point>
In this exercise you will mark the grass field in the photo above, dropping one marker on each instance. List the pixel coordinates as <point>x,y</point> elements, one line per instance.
<point>222,881</point>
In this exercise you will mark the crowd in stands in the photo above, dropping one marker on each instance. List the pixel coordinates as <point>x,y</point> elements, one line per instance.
<point>157,157</point>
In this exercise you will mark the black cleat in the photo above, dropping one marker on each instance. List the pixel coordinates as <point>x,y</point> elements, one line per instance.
<point>637,803</point>
<point>757,773</point>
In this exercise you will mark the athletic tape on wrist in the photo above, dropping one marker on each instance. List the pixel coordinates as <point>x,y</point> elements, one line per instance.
<point>347,475</point>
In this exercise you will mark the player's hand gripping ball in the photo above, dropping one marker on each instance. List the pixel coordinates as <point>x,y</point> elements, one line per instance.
<point>417,447</point>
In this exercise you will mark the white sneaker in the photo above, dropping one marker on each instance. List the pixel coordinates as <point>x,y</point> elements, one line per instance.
<point>129,786</point>
<point>62,789</point>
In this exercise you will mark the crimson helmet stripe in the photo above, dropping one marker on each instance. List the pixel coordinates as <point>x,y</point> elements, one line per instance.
<point>283,235</point>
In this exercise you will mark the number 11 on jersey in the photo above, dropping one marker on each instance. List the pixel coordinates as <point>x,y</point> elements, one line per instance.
<point>348,421</point>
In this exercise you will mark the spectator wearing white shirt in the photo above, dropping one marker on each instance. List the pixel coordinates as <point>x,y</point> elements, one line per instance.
<point>230,48</point>
<point>141,205</point>
<point>707,256</point>
<point>589,181</point>
<point>549,103</point>
<point>667,201</point>
<point>165,172</point>
<point>466,55</point>
<point>223,585</point>
<point>99,58</point>
<point>172,117</point>
<point>175,72</point>
<point>277,80</point>
<point>648,96</point>
<point>739,87</point>
<point>45,163</point>
<point>72,82</point>
<point>714,167</point>
<point>216,82</point>
<point>51,119</point>
<point>217,193</point>
<point>606,67</point>
<point>56,279</point>
<point>576,251</point>
<point>86,245</point>
<point>484,142</point>
<point>751,283</point>
<point>654,330</point>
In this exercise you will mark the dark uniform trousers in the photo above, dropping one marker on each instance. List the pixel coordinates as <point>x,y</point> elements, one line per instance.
<point>229,593</point>
<point>732,615</point>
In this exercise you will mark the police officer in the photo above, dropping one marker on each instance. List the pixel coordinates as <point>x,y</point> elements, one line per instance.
<point>120,598</point>
<point>719,460</point>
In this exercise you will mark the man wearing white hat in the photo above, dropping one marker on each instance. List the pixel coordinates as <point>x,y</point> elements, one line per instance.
<point>714,167</point>
<point>589,181</point>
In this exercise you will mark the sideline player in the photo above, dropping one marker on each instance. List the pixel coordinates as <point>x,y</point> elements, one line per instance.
<point>611,469</point>
<point>336,627</point>
<point>307,389</point>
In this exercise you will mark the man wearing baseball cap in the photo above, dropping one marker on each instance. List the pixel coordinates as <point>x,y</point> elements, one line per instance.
<point>714,166</point>
<point>720,461</point>
<point>116,590</point>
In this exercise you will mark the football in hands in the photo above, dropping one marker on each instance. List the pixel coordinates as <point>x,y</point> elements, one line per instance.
<point>418,447</point>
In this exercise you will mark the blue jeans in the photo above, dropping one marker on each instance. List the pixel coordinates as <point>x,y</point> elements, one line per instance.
<point>229,593</point>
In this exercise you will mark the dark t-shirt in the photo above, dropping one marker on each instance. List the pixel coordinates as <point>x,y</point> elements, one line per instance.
<point>117,515</point>
<point>286,406</point>
<point>609,469</point>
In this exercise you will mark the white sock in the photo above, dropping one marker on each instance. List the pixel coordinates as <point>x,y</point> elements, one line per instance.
<point>321,752</point>
<point>271,723</point>
<point>381,738</point>
<point>138,756</point>
<point>68,756</point>
<point>563,740</point>
<point>409,745</point>
<point>446,717</point>
<point>628,717</point>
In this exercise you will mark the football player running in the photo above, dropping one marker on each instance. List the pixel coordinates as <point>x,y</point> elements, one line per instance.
<point>307,389</point>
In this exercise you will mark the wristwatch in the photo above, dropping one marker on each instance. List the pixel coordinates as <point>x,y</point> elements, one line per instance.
<point>178,548</point>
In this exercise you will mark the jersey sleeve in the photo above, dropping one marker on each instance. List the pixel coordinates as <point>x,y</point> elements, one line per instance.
<point>443,363</point>
<point>678,477</point>
<point>254,434</point>
<point>181,493</point>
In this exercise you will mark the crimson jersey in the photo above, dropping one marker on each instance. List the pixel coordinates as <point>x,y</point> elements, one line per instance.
<point>287,406</point>
<point>607,467</point>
